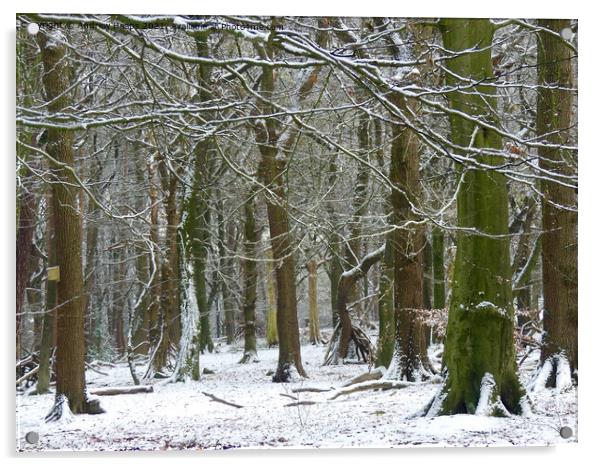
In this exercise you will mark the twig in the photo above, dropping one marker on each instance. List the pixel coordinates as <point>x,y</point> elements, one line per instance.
<point>219,400</point>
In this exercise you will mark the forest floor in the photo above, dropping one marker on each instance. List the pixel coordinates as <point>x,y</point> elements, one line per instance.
<point>179,416</point>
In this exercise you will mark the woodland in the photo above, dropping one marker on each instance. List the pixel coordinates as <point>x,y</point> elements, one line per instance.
<point>256,229</point>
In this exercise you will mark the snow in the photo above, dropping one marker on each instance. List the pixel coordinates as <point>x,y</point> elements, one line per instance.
<point>179,21</point>
<point>179,416</point>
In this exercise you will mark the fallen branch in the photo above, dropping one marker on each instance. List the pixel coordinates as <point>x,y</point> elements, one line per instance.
<point>88,366</point>
<point>288,396</point>
<point>28,375</point>
<point>374,374</point>
<point>311,389</point>
<point>110,391</point>
<point>383,385</point>
<point>300,403</point>
<point>219,400</point>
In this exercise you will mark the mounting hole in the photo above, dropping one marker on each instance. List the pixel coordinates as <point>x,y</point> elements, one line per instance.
<point>566,432</point>
<point>566,34</point>
<point>33,28</point>
<point>32,437</point>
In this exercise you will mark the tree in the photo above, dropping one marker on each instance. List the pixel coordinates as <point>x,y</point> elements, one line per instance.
<point>479,351</point>
<point>249,267</point>
<point>559,207</point>
<point>70,352</point>
<point>409,360</point>
<point>272,171</point>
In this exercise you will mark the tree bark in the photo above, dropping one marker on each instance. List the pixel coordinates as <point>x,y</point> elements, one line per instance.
<point>410,361</point>
<point>559,208</point>
<point>312,289</point>
<point>70,353</point>
<point>249,271</point>
<point>46,343</point>
<point>479,346</point>
<point>272,171</point>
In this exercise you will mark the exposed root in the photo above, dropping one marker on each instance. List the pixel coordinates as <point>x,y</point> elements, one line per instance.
<point>555,372</point>
<point>60,410</point>
<point>360,347</point>
<point>249,356</point>
<point>490,403</point>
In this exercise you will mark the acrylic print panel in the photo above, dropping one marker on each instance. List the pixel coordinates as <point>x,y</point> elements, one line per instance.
<point>310,232</point>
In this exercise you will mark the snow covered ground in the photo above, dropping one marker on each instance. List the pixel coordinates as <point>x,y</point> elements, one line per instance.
<point>179,416</point>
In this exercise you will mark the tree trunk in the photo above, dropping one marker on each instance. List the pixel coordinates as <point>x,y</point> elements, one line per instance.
<point>199,216</point>
<point>312,288</point>
<point>272,172</point>
<point>410,361</point>
<point>386,316</point>
<point>438,239</point>
<point>559,209</point>
<point>228,292</point>
<point>156,328</point>
<point>70,353</point>
<point>271,313</point>
<point>479,347</point>
<point>25,232</point>
<point>249,271</point>
<point>46,343</point>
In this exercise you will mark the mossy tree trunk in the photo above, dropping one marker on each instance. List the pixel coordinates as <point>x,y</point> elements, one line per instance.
<point>438,244</point>
<point>199,217</point>
<point>271,331</point>
<point>386,316</point>
<point>559,208</point>
<point>479,348</point>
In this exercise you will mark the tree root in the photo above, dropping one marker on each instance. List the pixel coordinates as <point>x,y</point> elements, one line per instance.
<point>248,356</point>
<point>359,344</point>
<point>555,372</point>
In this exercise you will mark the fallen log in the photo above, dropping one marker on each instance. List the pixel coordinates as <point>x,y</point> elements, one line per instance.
<point>28,375</point>
<point>383,385</point>
<point>219,400</point>
<point>110,391</point>
<point>311,389</point>
<point>300,403</point>
<point>374,374</point>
